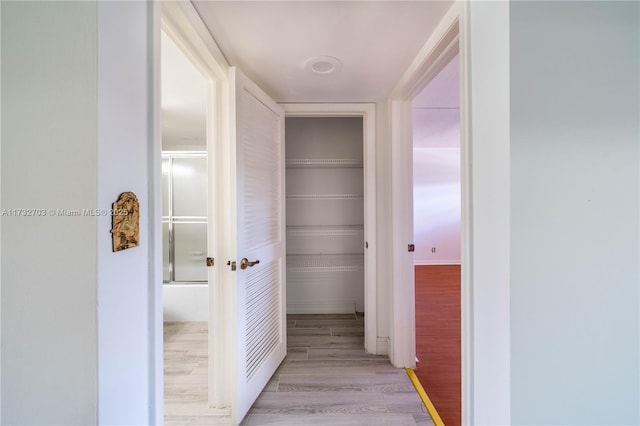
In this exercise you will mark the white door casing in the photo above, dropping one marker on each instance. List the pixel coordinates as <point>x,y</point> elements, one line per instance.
<point>480,32</point>
<point>367,111</point>
<point>441,46</point>
<point>258,208</point>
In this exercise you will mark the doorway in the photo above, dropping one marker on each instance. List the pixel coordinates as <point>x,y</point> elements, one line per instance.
<point>184,186</point>
<point>184,230</point>
<point>363,116</point>
<point>446,43</point>
<point>437,230</point>
<point>325,215</point>
<point>245,211</point>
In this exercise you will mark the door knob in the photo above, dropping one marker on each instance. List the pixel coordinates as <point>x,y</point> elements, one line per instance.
<point>244,263</point>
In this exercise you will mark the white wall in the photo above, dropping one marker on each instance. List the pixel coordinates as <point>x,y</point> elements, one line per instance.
<point>436,206</point>
<point>436,169</point>
<point>78,129</point>
<point>125,152</point>
<point>575,113</point>
<point>49,263</point>
<point>436,186</point>
<point>185,302</point>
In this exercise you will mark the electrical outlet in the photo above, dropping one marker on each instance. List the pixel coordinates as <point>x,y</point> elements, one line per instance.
<point>433,249</point>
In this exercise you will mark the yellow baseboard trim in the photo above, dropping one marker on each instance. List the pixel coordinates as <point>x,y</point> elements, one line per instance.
<point>431,409</point>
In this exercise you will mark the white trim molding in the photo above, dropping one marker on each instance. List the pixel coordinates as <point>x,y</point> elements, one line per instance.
<point>183,24</point>
<point>402,350</point>
<point>486,310</point>
<point>368,112</point>
<point>440,48</point>
<point>156,328</point>
<point>382,346</point>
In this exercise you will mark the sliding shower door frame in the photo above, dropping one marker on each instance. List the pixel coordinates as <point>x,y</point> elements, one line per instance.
<point>170,220</point>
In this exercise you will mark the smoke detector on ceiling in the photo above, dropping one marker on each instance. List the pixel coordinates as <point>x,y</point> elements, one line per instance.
<point>323,65</point>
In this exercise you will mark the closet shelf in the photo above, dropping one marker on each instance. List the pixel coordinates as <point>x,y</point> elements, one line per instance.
<point>325,197</point>
<point>323,163</point>
<point>325,263</point>
<point>324,231</point>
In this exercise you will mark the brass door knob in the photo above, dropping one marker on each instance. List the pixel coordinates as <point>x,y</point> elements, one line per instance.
<point>244,263</point>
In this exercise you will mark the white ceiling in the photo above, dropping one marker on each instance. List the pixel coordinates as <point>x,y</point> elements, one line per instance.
<point>272,40</point>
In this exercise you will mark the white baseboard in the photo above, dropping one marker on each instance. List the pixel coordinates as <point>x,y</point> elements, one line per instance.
<point>436,262</point>
<point>382,346</point>
<point>335,307</point>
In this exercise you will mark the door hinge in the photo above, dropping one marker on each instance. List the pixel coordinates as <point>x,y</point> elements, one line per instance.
<point>210,261</point>
<point>412,248</point>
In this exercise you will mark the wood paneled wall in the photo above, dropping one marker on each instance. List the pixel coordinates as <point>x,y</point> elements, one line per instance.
<point>438,337</point>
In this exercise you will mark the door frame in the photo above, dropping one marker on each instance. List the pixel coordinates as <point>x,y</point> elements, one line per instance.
<point>448,39</point>
<point>182,23</point>
<point>485,255</point>
<point>483,34</point>
<point>368,113</point>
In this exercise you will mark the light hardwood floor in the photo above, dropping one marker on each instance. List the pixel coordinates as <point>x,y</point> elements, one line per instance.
<point>185,375</point>
<point>326,379</point>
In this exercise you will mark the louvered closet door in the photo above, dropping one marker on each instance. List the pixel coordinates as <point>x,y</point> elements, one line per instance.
<point>260,207</point>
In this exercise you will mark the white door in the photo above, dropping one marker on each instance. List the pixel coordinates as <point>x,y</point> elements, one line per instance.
<point>258,206</point>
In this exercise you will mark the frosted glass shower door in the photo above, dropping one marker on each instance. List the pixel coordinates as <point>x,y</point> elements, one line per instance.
<point>185,217</point>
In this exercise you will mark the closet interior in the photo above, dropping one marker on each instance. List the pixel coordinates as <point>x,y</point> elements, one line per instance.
<point>325,214</point>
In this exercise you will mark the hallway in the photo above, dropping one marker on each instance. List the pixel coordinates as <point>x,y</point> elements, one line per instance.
<point>326,379</point>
